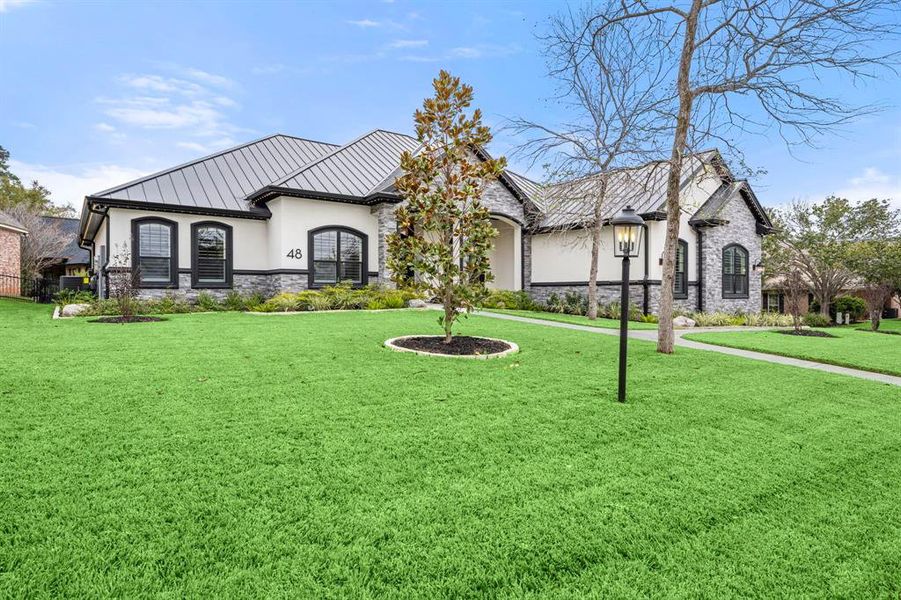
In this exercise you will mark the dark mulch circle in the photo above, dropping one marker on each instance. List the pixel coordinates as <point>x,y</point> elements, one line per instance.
<point>461,345</point>
<point>806,333</point>
<point>135,319</point>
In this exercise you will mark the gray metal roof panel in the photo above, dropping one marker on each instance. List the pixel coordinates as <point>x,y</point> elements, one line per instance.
<point>644,188</point>
<point>222,180</point>
<point>356,168</point>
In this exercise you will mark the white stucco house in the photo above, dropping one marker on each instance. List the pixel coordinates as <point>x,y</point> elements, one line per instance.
<point>284,213</point>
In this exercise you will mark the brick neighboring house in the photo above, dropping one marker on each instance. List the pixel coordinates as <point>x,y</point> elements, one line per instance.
<point>11,234</point>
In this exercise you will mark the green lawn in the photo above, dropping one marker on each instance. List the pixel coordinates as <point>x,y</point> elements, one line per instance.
<point>884,325</point>
<point>237,455</point>
<point>852,347</point>
<point>577,319</point>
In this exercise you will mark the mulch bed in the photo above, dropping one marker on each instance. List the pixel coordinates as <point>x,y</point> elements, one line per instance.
<point>461,345</point>
<point>135,319</point>
<point>806,333</point>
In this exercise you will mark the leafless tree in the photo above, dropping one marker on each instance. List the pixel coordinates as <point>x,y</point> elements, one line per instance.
<point>45,242</point>
<point>740,58</point>
<point>124,281</point>
<point>610,98</point>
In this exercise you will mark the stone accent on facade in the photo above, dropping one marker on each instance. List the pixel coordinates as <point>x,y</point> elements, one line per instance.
<point>387,224</point>
<point>740,229</point>
<point>610,292</point>
<point>526,261</point>
<point>499,200</point>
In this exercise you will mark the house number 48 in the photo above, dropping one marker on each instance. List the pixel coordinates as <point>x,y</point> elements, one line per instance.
<point>295,253</point>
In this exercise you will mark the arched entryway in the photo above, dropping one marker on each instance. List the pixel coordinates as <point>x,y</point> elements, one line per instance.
<point>506,254</point>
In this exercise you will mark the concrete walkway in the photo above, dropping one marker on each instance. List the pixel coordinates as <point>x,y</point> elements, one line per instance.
<point>651,336</point>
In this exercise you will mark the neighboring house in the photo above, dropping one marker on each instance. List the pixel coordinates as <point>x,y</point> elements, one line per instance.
<point>284,214</point>
<point>774,298</point>
<point>11,234</point>
<point>73,260</point>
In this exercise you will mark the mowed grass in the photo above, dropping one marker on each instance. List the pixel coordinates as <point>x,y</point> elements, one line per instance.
<point>851,346</point>
<point>235,455</point>
<point>884,325</point>
<point>576,319</point>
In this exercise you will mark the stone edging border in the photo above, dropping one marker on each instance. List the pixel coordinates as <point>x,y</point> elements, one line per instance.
<point>511,350</point>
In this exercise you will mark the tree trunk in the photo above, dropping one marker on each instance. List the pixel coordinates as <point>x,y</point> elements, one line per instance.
<point>665,335</point>
<point>593,270</point>
<point>875,318</point>
<point>824,305</point>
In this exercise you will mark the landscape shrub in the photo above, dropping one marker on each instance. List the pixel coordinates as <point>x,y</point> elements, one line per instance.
<point>509,299</point>
<point>206,303</point>
<point>816,320</point>
<point>851,304</point>
<point>338,297</point>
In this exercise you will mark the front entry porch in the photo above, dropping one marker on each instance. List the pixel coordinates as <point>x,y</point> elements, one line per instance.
<point>506,254</point>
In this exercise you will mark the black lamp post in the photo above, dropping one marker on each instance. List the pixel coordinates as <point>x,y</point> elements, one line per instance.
<point>627,228</point>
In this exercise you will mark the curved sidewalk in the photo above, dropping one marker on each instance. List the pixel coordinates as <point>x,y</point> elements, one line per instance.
<point>651,336</point>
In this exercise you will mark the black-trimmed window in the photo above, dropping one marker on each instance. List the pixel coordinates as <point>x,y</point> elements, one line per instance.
<point>735,272</point>
<point>680,283</point>
<point>211,255</point>
<point>337,254</point>
<point>155,252</point>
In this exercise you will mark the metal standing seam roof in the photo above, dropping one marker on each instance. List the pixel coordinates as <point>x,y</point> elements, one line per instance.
<point>644,188</point>
<point>223,180</point>
<point>359,168</point>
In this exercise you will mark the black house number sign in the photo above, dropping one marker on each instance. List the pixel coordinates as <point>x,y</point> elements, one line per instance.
<point>295,253</point>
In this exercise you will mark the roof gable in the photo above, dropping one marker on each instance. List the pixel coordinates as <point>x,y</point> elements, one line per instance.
<point>355,169</point>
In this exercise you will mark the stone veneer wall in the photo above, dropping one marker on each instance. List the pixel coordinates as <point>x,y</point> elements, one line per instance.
<point>741,229</point>
<point>608,293</point>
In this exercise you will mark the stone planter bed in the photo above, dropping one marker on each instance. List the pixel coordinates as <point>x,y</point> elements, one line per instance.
<point>462,346</point>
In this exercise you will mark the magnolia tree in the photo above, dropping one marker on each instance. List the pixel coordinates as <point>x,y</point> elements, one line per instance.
<point>444,232</point>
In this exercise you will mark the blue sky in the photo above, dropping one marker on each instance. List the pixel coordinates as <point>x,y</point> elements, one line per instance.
<point>96,93</point>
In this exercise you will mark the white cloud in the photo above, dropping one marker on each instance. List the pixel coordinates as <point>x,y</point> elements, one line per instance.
<point>484,51</point>
<point>24,125</point>
<point>873,183</point>
<point>8,5</point>
<point>163,85</point>
<point>208,148</point>
<point>151,101</point>
<point>365,23</point>
<point>207,78</point>
<point>408,43</point>
<point>71,184</point>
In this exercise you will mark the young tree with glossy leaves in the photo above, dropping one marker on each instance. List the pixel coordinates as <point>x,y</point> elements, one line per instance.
<point>444,232</point>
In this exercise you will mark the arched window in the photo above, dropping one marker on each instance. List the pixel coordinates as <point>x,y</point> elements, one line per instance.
<point>154,252</point>
<point>680,283</point>
<point>337,254</point>
<point>211,255</point>
<point>735,272</point>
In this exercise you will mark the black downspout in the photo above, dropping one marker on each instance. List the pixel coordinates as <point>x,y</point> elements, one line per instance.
<point>647,262</point>
<point>700,270</point>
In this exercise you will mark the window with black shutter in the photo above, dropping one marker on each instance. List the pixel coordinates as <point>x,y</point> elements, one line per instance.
<point>680,283</point>
<point>211,255</point>
<point>155,252</point>
<point>735,272</point>
<point>337,254</point>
